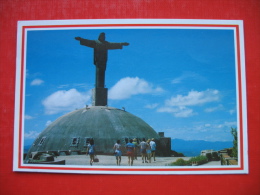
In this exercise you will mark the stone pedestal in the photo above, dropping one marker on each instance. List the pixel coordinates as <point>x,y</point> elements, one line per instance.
<point>99,96</point>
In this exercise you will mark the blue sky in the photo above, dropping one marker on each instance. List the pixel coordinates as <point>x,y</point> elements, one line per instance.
<point>180,81</point>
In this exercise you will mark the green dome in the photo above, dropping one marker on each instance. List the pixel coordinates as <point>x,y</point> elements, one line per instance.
<point>104,124</point>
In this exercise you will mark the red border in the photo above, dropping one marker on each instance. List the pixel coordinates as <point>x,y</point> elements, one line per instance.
<point>241,157</point>
<point>238,50</point>
<point>45,183</point>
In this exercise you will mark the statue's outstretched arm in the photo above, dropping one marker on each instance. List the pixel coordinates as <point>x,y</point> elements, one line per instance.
<point>116,45</point>
<point>78,38</point>
<point>86,42</point>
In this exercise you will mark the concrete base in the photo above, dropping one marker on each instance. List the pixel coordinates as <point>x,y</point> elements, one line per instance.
<point>99,97</point>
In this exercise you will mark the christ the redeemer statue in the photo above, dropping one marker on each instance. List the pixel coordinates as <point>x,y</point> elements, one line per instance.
<point>100,46</point>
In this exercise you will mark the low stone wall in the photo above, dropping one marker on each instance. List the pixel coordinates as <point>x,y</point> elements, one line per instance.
<point>227,160</point>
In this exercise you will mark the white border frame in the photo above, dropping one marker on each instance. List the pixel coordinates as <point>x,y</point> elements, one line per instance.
<point>236,25</point>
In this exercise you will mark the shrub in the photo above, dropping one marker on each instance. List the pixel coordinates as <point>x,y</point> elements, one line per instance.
<point>199,159</point>
<point>179,162</point>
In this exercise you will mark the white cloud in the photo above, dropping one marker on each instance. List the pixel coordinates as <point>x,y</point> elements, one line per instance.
<point>73,85</point>
<point>177,80</point>
<point>37,82</point>
<point>63,86</point>
<point>180,111</point>
<point>31,135</point>
<point>188,76</point>
<point>226,125</point>
<point>194,98</point>
<point>126,87</point>
<point>232,111</point>
<point>151,106</point>
<point>178,105</point>
<point>230,124</point>
<point>62,100</point>
<point>28,117</point>
<point>167,109</point>
<point>220,126</point>
<point>184,112</point>
<point>48,123</point>
<point>212,109</point>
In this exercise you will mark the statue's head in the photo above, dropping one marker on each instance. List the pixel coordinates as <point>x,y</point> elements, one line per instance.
<point>102,37</point>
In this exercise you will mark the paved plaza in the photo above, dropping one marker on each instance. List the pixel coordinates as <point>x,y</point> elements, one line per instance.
<point>110,160</point>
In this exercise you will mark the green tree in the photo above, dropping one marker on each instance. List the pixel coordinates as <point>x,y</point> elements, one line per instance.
<point>234,149</point>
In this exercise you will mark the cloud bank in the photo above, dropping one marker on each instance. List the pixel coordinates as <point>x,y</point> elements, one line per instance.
<point>128,86</point>
<point>31,135</point>
<point>194,98</point>
<point>63,100</point>
<point>180,105</point>
<point>36,82</point>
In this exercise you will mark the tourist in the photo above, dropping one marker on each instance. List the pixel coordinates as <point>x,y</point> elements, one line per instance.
<point>117,152</point>
<point>136,147</point>
<point>153,148</point>
<point>91,151</point>
<point>148,151</point>
<point>130,149</point>
<point>143,146</point>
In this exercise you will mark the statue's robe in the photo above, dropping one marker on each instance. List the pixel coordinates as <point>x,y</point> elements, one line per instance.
<point>100,56</point>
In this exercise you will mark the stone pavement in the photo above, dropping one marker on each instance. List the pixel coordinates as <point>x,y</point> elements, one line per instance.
<point>109,160</point>
<point>213,163</point>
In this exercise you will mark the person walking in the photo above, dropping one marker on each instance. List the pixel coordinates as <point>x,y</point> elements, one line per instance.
<point>153,148</point>
<point>117,152</point>
<point>136,147</point>
<point>130,149</point>
<point>91,151</point>
<point>143,146</point>
<point>148,151</point>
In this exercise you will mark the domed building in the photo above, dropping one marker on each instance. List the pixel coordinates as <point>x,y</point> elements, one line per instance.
<point>72,132</point>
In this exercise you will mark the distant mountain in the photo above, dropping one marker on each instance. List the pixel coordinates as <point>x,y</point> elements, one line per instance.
<point>194,147</point>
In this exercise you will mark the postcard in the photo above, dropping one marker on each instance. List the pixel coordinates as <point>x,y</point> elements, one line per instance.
<point>130,96</point>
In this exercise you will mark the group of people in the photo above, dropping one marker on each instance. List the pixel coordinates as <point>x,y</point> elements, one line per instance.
<point>147,150</point>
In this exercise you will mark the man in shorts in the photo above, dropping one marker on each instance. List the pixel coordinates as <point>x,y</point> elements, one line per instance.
<point>143,146</point>
<point>91,151</point>
<point>153,148</point>
<point>136,147</point>
<point>130,149</point>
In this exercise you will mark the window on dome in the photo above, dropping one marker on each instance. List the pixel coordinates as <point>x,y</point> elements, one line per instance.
<point>87,140</point>
<point>74,141</point>
<point>42,141</point>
